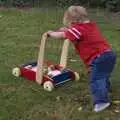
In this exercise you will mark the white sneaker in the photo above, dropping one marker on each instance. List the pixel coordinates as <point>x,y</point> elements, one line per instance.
<point>101,106</point>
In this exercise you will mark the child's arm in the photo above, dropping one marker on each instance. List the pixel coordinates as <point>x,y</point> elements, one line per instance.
<point>56,35</point>
<point>62,29</point>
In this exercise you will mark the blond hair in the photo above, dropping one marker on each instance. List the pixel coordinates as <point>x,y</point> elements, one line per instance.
<point>75,14</point>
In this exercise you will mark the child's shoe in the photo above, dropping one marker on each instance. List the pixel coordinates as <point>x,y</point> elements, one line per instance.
<point>101,106</point>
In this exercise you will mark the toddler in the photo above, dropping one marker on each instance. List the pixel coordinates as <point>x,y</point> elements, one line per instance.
<point>92,48</point>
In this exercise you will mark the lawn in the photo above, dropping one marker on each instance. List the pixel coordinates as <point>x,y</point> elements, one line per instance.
<point>20,99</point>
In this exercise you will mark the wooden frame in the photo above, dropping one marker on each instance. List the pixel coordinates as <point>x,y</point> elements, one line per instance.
<point>40,62</point>
<point>64,54</point>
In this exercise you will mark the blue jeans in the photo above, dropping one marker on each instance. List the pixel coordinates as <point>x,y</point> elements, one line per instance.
<point>101,68</point>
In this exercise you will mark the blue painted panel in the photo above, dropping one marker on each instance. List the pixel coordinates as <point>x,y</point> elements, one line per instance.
<point>64,77</point>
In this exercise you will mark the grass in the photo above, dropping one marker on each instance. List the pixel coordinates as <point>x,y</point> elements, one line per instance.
<point>20,34</point>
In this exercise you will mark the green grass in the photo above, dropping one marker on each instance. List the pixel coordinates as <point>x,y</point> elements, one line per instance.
<point>20,34</point>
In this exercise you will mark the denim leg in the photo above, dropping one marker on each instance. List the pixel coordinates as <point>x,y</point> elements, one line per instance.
<point>99,89</point>
<point>108,83</point>
<point>101,69</point>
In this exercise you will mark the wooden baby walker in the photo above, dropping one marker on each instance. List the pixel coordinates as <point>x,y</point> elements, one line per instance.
<point>51,76</point>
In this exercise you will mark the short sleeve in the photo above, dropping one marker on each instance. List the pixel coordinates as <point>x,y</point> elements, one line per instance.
<point>72,34</point>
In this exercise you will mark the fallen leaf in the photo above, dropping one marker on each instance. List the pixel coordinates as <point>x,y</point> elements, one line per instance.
<point>116,102</point>
<point>58,98</point>
<point>117,111</point>
<point>80,109</point>
<point>73,60</point>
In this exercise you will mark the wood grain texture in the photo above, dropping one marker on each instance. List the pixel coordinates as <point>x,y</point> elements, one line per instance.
<point>64,54</point>
<point>40,62</point>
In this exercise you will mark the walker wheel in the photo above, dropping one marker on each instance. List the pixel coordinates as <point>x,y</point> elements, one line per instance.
<point>16,72</point>
<point>48,86</point>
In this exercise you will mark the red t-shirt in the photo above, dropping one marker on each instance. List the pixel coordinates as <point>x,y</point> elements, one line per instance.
<point>87,40</point>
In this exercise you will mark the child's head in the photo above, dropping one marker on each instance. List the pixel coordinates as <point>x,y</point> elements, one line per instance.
<point>75,14</point>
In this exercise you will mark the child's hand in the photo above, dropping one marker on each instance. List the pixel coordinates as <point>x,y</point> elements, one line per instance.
<point>49,33</point>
